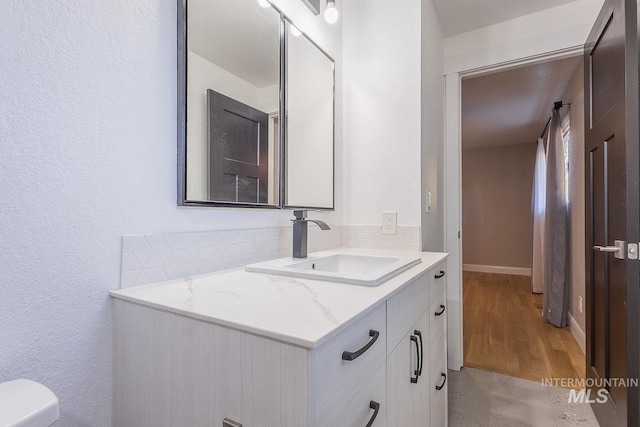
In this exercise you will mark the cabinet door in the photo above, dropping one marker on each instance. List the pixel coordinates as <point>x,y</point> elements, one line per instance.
<point>407,387</point>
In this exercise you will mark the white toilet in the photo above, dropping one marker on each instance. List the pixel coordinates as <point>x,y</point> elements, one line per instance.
<point>25,403</point>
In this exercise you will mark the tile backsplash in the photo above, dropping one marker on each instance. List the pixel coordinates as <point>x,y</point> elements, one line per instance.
<point>157,257</point>
<point>370,236</point>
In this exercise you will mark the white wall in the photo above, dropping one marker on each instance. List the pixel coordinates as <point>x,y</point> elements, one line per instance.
<point>550,30</point>
<point>432,147</point>
<point>88,152</point>
<point>382,107</point>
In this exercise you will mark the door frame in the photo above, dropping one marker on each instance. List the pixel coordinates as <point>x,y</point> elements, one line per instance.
<point>453,184</point>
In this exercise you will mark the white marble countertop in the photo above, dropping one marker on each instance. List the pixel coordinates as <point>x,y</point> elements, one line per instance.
<point>302,312</point>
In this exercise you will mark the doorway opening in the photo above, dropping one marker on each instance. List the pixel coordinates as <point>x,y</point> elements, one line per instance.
<point>503,115</point>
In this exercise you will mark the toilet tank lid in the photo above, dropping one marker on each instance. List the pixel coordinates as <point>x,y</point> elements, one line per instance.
<point>26,403</point>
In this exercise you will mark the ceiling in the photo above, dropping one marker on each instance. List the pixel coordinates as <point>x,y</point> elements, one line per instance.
<point>240,36</point>
<point>513,106</point>
<point>460,16</point>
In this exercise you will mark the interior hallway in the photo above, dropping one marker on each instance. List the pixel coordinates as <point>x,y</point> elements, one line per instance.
<point>504,332</point>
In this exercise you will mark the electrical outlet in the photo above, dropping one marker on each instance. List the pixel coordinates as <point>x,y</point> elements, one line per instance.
<point>580,303</point>
<point>389,222</point>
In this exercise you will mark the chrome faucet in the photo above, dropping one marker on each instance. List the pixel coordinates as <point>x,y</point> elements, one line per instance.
<point>300,232</point>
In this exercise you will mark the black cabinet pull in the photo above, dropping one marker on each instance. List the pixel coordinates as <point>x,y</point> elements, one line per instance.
<point>439,387</point>
<point>376,407</point>
<point>440,275</point>
<point>416,372</point>
<point>347,355</point>
<point>439,313</point>
<point>419,335</point>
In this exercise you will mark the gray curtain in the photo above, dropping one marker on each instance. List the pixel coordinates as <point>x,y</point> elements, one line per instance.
<point>556,288</point>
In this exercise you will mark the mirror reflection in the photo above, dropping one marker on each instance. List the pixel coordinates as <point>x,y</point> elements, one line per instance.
<point>233,93</point>
<point>309,146</point>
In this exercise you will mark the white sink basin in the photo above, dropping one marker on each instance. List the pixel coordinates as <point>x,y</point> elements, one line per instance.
<point>363,270</point>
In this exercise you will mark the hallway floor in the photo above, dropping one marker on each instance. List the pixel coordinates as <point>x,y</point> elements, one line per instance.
<point>504,331</point>
<point>480,398</point>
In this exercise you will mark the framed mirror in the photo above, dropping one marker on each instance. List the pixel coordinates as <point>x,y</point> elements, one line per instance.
<point>255,109</point>
<point>231,95</point>
<point>310,130</point>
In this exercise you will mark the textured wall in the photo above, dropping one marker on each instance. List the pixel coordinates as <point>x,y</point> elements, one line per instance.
<point>565,26</point>
<point>432,147</point>
<point>88,153</point>
<point>382,103</point>
<point>496,205</point>
<point>394,133</point>
<point>575,95</point>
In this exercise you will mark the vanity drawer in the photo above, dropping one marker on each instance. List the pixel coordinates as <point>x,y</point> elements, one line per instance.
<point>337,381</point>
<point>437,332</point>
<point>438,276</point>
<point>438,318</point>
<point>405,308</point>
<point>369,402</point>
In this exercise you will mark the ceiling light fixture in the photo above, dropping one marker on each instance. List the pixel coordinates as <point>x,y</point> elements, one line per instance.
<point>330,12</point>
<point>264,3</point>
<point>295,31</point>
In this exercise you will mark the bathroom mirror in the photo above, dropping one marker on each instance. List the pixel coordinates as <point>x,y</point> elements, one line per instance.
<point>232,97</point>
<point>242,67</point>
<point>309,142</point>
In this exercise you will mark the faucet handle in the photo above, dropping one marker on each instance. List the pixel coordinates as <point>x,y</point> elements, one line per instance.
<point>300,214</point>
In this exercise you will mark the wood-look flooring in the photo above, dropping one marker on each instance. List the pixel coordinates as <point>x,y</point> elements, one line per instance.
<point>504,331</point>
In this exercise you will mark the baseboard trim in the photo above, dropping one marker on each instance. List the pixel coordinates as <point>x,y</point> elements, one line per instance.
<point>497,269</point>
<point>578,334</point>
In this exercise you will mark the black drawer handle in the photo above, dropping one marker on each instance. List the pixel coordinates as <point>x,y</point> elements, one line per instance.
<point>440,275</point>
<point>347,355</point>
<point>417,370</point>
<point>419,335</point>
<point>439,387</point>
<point>439,313</point>
<point>376,408</point>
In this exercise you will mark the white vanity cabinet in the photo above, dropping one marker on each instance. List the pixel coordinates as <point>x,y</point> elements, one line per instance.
<point>415,363</point>
<point>171,370</point>
<point>380,369</point>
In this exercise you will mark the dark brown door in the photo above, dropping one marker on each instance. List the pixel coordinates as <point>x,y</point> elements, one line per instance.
<point>611,94</point>
<point>238,138</point>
